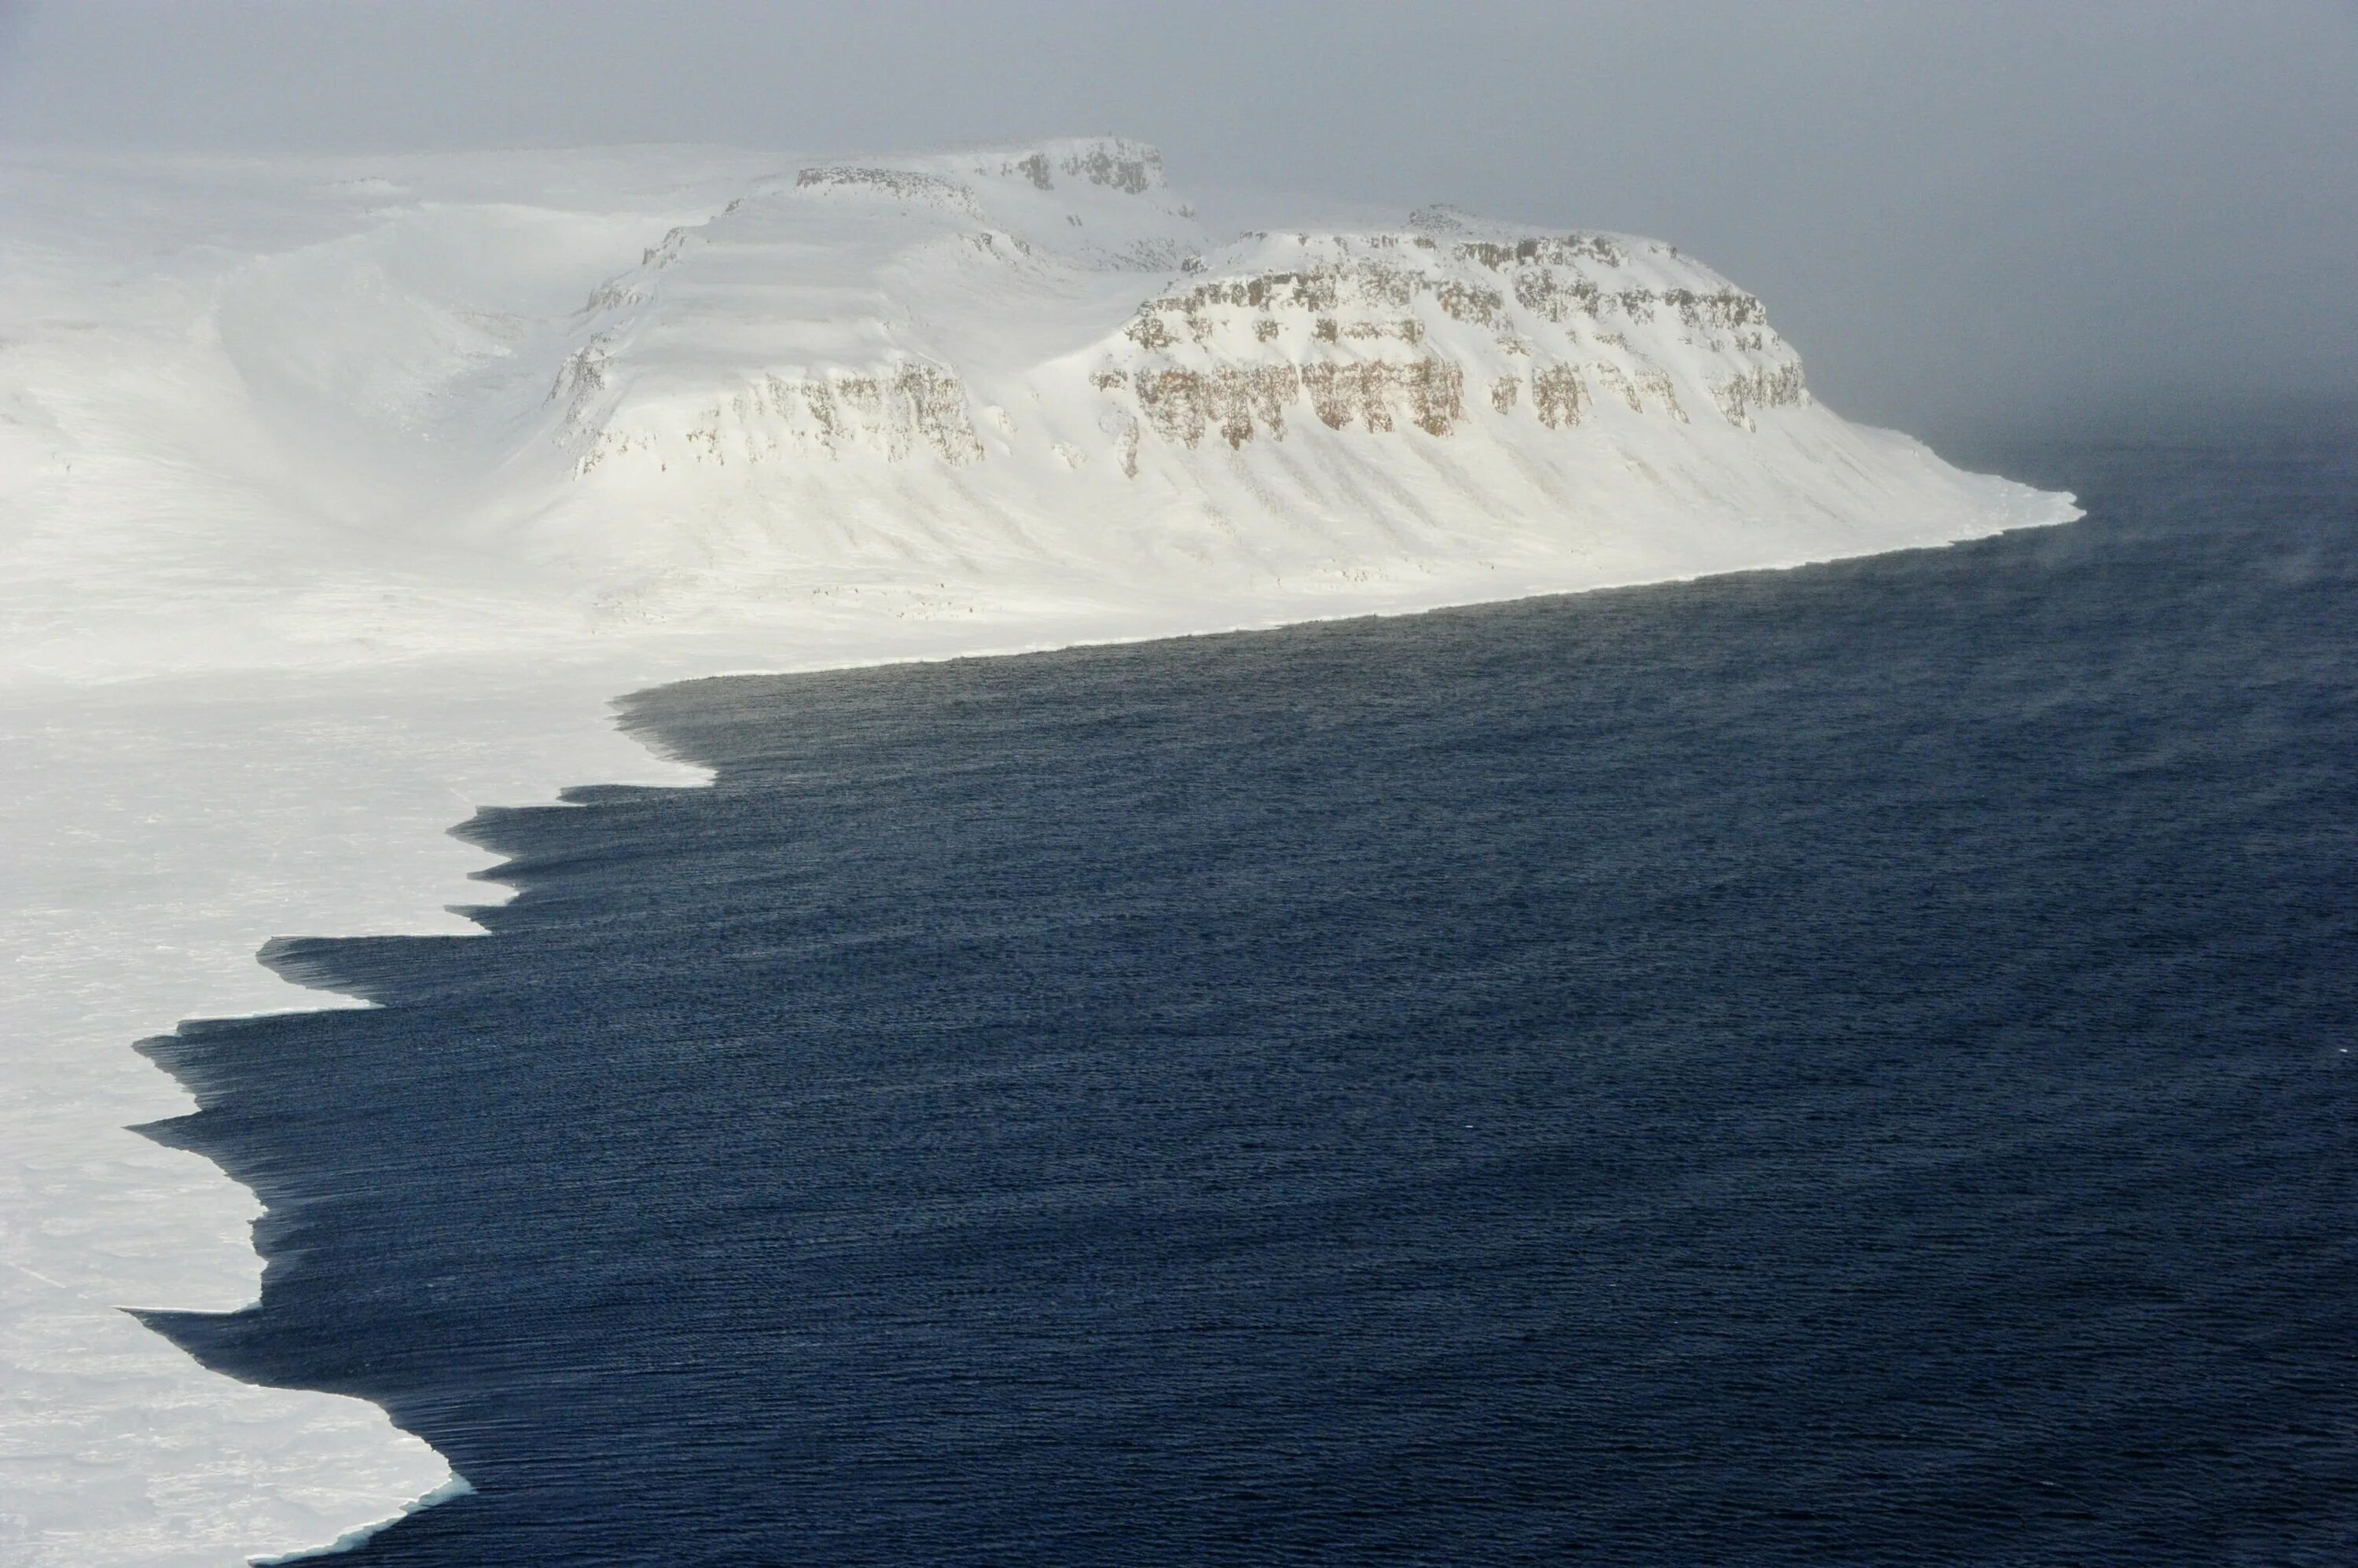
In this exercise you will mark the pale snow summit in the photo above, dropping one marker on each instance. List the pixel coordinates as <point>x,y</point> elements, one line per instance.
<point>481,405</point>
<point>1039,351</point>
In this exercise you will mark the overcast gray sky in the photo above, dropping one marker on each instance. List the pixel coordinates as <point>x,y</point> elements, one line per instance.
<point>1969,216</point>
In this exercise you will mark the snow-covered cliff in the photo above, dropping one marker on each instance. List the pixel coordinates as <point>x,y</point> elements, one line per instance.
<point>490,402</point>
<point>1040,349</point>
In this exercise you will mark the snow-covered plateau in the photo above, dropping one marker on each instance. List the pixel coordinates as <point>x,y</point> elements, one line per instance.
<point>341,497</point>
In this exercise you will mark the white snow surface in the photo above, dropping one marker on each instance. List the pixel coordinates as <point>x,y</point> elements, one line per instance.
<point>341,497</point>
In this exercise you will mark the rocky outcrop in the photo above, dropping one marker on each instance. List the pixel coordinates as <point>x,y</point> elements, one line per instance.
<point>914,411</point>
<point>1383,334</point>
<point>899,184</point>
<point>1559,396</point>
<point>1739,395</point>
<point>1124,166</point>
<point>1236,403</point>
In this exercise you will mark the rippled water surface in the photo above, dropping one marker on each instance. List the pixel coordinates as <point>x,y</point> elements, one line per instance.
<point>1828,1067</point>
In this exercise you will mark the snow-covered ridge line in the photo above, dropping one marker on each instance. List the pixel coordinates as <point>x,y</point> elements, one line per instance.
<point>310,559</point>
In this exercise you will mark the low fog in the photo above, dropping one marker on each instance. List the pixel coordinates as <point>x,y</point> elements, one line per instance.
<point>1972,219</point>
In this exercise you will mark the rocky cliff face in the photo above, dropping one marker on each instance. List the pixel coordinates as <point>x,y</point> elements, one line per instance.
<point>1436,331</point>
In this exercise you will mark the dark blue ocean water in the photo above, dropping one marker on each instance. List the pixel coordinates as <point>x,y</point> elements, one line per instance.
<point>1844,1066</point>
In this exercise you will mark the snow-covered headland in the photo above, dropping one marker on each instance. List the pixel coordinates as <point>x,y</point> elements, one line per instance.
<point>340,498</point>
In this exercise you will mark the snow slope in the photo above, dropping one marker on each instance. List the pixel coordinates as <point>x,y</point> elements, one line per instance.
<point>339,497</point>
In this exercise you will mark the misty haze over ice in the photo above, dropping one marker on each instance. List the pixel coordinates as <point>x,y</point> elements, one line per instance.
<point>1974,217</point>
